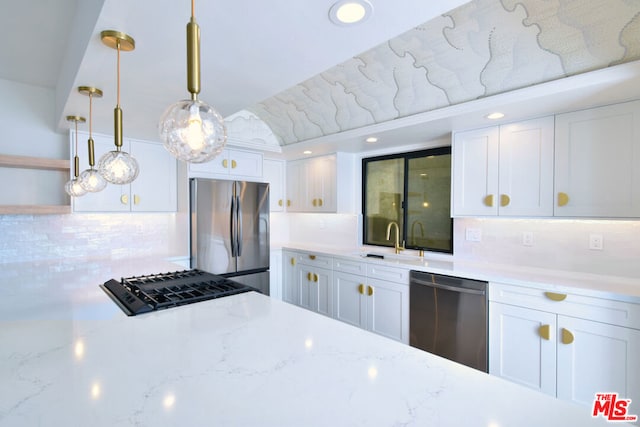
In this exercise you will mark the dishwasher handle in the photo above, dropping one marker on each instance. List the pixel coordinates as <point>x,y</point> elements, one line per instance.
<point>460,289</point>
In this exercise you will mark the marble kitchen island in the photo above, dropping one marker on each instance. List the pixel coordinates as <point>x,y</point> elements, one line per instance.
<point>70,357</point>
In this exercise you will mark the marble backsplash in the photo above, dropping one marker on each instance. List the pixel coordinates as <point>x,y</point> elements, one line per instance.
<point>32,238</point>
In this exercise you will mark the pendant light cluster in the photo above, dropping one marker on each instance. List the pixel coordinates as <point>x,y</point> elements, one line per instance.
<point>117,166</point>
<point>192,130</point>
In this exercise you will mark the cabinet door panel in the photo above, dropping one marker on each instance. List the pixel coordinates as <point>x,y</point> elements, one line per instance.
<point>155,188</point>
<point>475,172</point>
<point>348,303</point>
<point>321,300</point>
<point>291,278</point>
<point>597,152</point>
<point>517,352</point>
<point>274,175</point>
<point>602,358</point>
<point>526,168</point>
<point>388,309</point>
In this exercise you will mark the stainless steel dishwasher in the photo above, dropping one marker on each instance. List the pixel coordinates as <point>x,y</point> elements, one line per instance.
<point>448,317</point>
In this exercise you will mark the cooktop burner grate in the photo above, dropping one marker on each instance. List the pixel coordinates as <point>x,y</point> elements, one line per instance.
<point>142,294</point>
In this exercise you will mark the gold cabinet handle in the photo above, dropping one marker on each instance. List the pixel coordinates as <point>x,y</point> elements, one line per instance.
<point>233,164</point>
<point>545,332</point>
<point>320,202</point>
<point>504,200</point>
<point>288,203</point>
<point>225,163</point>
<point>136,199</point>
<point>280,203</point>
<point>567,336</point>
<point>124,199</point>
<point>563,199</point>
<point>369,290</point>
<point>361,289</point>
<point>315,277</point>
<point>314,202</point>
<point>312,257</point>
<point>488,200</point>
<point>309,277</point>
<point>293,261</point>
<point>555,297</point>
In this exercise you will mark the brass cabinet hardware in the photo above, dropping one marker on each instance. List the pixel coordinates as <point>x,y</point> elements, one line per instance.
<point>555,297</point>
<point>361,288</point>
<point>315,277</point>
<point>320,202</point>
<point>544,332</point>
<point>504,200</point>
<point>369,290</point>
<point>124,199</point>
<point>312,257</point>
<point>563,199</point>
<point>314,202</point>
<point>293,261</point>
<point>309,277</point>
<point>567,336</point>
<point>233,164</point>
<point>288,203</point>
<point>225,163</point>
<point>136,199</point>
<point>280,203</point>
<point>488,200</point>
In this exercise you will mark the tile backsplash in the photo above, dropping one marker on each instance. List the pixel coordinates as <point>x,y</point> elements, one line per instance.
<point>30,238</point>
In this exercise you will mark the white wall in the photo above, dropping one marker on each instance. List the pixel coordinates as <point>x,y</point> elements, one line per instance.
<point>28,129</point>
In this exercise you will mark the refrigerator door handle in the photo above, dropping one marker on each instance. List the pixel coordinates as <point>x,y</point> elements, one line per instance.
<point>233,226</point>
<point>239,229</point>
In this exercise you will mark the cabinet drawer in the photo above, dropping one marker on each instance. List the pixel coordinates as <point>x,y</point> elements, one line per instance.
<point>596,309</point>
<point>350,266</point>
<point>310,258</point>
<point>392,274</point>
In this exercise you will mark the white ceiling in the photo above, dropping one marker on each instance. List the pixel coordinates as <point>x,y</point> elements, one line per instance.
<point>251,50</point>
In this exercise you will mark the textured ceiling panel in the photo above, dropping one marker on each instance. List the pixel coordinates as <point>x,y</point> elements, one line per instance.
<point>480,49</point>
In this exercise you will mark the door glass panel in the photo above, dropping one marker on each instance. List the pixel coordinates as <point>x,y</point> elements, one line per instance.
<point>383,200</point>
<point>428,203</point>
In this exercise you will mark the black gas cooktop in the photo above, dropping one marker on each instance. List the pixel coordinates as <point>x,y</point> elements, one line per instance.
<point>142,294</point>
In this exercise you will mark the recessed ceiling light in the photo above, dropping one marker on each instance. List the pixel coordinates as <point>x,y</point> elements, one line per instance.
<point>494,116</point>
<point>371,139</point>
<point>307,152</point>
<point>347,12</point>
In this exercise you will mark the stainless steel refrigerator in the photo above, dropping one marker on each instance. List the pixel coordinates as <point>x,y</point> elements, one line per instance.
<point>229,225</point>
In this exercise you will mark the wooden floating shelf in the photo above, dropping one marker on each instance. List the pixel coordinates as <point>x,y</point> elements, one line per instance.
<point>34,209</point>
<point>26,162</point>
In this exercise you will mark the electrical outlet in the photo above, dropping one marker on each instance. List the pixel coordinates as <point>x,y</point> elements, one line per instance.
<point>596,242</point>
<point>473,234</point>
<point>527,238</point>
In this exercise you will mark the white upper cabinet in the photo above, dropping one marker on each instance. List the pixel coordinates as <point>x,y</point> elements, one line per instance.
<point>230,164</point>
<point>504,170</point>
<point>311,185</point>
<point>274,174</point>
<point>154,190</point>
<point>596,162</point>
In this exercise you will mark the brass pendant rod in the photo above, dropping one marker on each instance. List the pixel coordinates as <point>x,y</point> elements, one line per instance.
<point>117,112</point>
<point>76,159</point>
<point>193,55</point>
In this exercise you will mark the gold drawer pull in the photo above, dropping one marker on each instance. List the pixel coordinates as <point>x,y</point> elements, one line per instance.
<point>124,199</point>
<point>320,202</point>
<point>136,199</point>
<point>504,200</point>
<point>361,288</point>
<point>369,290</point>
<point>233,164</point>
<point>225,163</point>
<point>309,277</point>
<point>280,203</point>
<point>293,261</point>
<point>315,277</point>
<point>567,336</point>
<point>555,297</point>
<point>288,203</point>
<point>563,199</point>
<point>488,200</point>
<point>314,202</point>
<point>312,257</point>
<point>544,332</point>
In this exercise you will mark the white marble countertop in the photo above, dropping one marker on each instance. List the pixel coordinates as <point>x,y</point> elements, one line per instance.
<point>618,288</point>
<point>70,357</point>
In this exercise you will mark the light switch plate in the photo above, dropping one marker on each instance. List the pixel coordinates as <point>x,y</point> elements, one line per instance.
<point>596,242</point>
<point>473,234</point>
<point>527,238</point>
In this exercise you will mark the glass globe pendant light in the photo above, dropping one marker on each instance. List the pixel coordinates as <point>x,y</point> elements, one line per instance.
<point>117,166</point>
<point>90,179</point>
<point>73,187</point>
<point>191,129</point>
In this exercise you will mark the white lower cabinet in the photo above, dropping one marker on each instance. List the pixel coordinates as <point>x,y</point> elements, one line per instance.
<point>372,297</point>
<point>564,345</point>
